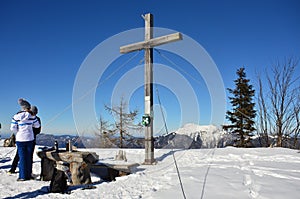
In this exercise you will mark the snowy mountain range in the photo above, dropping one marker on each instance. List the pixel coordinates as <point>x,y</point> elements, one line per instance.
<point>189,136</point>
<point>195,136</point>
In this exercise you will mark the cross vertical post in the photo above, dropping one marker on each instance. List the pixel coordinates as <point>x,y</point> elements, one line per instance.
<point>148,45</point>
<point>149,142</point>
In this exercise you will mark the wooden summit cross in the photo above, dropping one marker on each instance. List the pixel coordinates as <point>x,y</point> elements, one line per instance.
<point>148,45</point>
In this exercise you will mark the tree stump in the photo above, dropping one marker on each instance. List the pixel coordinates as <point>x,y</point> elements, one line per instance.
<point>80,173</point>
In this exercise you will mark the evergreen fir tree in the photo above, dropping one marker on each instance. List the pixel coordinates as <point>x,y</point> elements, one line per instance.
<point>243,113</point>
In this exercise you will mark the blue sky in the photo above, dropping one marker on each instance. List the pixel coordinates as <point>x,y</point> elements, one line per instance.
<point>44,43</point>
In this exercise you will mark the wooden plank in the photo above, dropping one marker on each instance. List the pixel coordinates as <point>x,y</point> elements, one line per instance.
<point>75,156</point>
<point>125,168</point>
<point>120,167</point>
<point>151,43</point>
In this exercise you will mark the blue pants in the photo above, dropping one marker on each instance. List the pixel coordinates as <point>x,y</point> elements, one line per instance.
<point>25,150</point>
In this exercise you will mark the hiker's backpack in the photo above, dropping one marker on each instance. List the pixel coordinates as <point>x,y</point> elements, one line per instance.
<point>58,182</point>
<point>10,142</point>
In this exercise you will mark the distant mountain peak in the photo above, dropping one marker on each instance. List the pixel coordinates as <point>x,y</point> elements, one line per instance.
<point>191,128</point>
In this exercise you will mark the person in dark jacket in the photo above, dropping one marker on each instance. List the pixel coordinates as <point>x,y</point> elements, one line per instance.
<point>36,131</point>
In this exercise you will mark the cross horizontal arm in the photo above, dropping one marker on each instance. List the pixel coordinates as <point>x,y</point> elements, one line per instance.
<point>151,43</point>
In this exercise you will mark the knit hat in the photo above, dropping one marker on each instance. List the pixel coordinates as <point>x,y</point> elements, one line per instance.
<point>34,110</point>
<point>24,104</point>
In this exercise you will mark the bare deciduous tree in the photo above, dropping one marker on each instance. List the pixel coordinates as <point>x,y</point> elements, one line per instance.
<point>296,129</point>
<point>124,120</point>
<point>105,134</point>
<point>264,119</point>
<point>279,108</point>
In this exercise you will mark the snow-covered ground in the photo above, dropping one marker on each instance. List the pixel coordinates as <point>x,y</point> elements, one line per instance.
<point>205,173</point>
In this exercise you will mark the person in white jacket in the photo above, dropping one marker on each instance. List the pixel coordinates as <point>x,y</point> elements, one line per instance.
<point>22,124</point>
